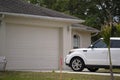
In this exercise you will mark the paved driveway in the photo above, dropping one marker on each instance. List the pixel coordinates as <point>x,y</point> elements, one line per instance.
<point>83,72</point>
<point>87,72</point>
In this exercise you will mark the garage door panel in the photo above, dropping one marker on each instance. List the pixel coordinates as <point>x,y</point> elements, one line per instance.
<point>36,63</point>
<point>32,47</point>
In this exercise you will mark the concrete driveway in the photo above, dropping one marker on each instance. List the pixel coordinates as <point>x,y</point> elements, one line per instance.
<point>87,72</point>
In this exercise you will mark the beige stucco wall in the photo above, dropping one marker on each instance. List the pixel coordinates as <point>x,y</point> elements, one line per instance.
<point>63,31</point>
<point>85,38</point>
<point>85,41</point>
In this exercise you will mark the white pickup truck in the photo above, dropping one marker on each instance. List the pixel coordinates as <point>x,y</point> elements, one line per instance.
<point>95,56</point>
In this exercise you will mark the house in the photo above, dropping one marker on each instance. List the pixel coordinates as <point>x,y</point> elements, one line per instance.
<point>34,38</point>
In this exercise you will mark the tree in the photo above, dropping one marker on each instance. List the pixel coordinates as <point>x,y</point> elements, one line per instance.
<point>106,34</point>
<point>118,27</point>
<point>75,6</point>
<point>93,11</point>
<point>96,12</point>
<point>62,6</point>
<point>45,3</point>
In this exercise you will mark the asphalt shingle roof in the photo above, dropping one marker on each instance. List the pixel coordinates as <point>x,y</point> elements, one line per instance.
<point>83,27</point>
<point>22,7</point>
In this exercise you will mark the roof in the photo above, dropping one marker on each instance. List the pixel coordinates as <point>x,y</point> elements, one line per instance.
<point>22,7</point>
<point>84,28</point>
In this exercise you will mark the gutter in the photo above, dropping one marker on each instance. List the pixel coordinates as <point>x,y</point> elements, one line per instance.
<point>44,17</point>
<point>88,29</point>
<point>94,34</point>
<point>85,28</point>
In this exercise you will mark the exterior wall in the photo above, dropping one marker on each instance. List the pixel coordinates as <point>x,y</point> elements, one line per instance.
<point>85,38</point>
<point>66,43</point>
<point>64,36</point>
<point>85,41</point>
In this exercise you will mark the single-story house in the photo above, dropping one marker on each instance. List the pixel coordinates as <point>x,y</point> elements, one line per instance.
<point>34,38</point>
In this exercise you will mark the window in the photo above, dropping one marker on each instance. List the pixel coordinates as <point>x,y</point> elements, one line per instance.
<point>76,41</point>
<point>115,43</point>
<point>99,44</point>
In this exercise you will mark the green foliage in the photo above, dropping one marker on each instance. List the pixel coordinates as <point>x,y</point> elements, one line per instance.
<point>62,6</point>
<point>91,21</point>
<point>118,28</point>
<point>106,34</point>
<point>50,76</point>
<point>77,8</point>
<point>95,12</point>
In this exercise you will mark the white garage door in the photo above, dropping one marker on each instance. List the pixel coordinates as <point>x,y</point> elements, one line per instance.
<point>32,47</point>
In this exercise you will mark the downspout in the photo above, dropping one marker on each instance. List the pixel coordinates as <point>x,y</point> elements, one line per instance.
<point>2,43</point>
<point>94,34</point>
<point>1,18</point>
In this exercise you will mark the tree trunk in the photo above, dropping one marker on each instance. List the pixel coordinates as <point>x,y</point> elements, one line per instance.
<point>110,62</point>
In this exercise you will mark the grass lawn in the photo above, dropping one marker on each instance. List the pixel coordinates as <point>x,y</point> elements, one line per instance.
<point>17,75</point>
